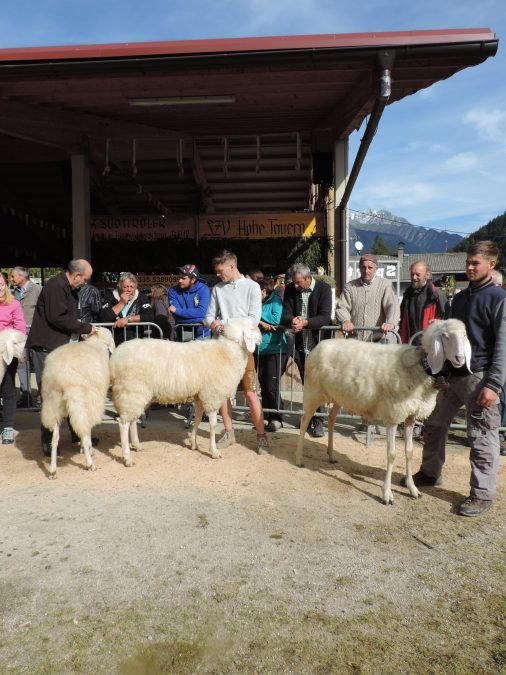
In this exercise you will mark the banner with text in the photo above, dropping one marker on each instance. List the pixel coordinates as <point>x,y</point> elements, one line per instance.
<point>210,226</point>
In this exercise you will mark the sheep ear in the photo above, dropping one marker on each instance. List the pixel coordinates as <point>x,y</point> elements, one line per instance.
<point>18,350</point>
<point>8,354</point>
<point>436,356</point>
<point>467,353</point>
<point>250,340</point>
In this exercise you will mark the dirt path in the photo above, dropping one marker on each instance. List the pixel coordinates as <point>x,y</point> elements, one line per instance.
<point>246,564</point>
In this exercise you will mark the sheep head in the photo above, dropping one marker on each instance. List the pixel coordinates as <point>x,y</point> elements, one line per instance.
<point>244,332</point>
<point>104,335</point>
<point>447,340</point>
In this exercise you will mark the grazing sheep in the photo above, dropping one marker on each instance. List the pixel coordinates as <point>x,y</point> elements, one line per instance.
<point>75,381</point>
<point>12,346</point>
<point>206,371</point>
<point>381,382</point>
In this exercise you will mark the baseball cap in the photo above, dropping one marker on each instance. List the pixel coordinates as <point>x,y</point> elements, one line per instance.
<point>369,257</point>
<point>189,271</point>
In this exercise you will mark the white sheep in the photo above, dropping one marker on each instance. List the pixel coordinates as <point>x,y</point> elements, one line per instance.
<point>74,384</point>
<point>381,382</point>
<point>206,371</point>
<point>12,346</point>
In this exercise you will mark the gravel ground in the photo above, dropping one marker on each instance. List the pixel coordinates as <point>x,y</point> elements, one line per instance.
<point>185,564</point>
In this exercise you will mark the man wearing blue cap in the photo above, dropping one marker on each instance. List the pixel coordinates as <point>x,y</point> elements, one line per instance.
<point>188,302</point>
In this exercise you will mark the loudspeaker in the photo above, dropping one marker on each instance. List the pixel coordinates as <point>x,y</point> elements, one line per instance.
<point>323,168</point>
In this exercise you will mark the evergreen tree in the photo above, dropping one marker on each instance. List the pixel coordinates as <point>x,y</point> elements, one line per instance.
<point>379,247</point>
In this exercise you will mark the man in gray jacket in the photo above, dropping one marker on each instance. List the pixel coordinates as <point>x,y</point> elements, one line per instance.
<point>367,302</point>
<point>27,293</point>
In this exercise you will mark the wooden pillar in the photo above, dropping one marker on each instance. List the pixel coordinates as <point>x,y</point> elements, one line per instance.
<point>81,231</point>
<point>340,221</point>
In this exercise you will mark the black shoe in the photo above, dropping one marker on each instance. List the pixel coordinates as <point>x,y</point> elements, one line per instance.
<point>473,506</point>
<point>420,479</point>
<point>502,451</point>
<point>24,401</point>
<point>273,425</point>
<point>316,428</point>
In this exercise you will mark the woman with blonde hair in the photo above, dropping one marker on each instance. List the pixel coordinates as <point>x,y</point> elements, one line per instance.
<point>11,316</point>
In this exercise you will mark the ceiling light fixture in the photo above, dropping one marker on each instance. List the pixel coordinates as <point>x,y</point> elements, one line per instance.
<point>180,100</point>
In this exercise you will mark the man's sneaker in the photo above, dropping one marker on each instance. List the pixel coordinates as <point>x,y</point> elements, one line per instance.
<point>420,479</point>
<point>316,428</point>
<point>8,436</point>
<point>226,440</point>
<point>474,507</point>
<point>262,445</point>
<point>273,425</point>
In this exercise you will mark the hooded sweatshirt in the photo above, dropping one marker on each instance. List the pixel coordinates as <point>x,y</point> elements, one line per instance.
<point>191,305</point>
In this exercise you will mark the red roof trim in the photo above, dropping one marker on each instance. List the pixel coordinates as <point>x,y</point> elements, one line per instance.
<point>251,44</point>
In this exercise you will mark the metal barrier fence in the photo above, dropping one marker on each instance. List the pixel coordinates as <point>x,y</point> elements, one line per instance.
<point>289,399</point>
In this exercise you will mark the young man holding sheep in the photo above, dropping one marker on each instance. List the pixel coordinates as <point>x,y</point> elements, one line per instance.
<point>482,307</point>
<point>235,297</point>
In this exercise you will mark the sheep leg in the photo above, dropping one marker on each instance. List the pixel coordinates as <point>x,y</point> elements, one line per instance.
<point>330,431</point>
<point>134,437</point>
<point>213,422</point>
<point>125,446</point>
<point>409,425</point>
<point>198,411</point>
<point>309,411</point>
<point>388,497</point>
<point>87,449</point>
<point>54,450</point>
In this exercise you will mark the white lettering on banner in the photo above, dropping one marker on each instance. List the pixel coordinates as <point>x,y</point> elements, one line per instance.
<point>386,268</point>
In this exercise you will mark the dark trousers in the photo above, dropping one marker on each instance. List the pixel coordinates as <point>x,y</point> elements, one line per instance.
<point>39,358</point>
<point>8,393</point>
<point>270,367</point>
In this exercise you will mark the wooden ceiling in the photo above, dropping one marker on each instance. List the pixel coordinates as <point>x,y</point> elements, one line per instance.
<point>288,99</point>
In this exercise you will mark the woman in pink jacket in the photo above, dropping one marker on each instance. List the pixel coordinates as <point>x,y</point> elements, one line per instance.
<point>11,316</point>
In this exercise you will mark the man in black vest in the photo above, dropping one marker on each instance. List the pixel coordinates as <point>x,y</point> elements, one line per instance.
<point>307,306</point>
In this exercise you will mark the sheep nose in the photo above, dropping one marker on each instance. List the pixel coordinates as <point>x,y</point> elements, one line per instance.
<point>460,360</point>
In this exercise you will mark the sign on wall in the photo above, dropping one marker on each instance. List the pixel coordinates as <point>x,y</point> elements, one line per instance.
<point>389,269</point>
<point>210,226</point>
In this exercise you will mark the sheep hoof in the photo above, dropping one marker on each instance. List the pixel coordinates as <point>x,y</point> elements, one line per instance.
<point>135,448</point>
<point>300,464</point>
<point>388,499</point>
<point>91,467</point>
<point>216,455</point>
<point>333,458</point>
<point>52,476</point>
<point>128,462</point>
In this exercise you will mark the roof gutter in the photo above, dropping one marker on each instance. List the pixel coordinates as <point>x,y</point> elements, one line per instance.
<point>341,255</point>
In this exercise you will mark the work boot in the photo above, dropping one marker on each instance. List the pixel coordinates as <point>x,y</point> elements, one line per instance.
<point>473,507</point>
<point>316,429</point>
<point>420,479</point>
<point>227,439</point>
<point>46,449</point>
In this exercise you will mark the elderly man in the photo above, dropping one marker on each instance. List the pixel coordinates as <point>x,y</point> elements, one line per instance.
<point>307,306</point>
<point>27,293</point>
<point>422,302</point>
<point>55,323</point>
<point>367,302</point>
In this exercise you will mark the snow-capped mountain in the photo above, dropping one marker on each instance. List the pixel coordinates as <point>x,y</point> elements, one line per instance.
<point>366,225</point>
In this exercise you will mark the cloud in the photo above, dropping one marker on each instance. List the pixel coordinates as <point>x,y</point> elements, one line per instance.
<point>489,124</point>
<point>396,194</point>
<point>460,162</point>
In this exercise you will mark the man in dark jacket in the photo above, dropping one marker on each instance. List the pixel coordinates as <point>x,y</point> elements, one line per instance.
<point>55,322</point>
<point>126,305</point>
<point>421,303</point>
<point>307,306</point>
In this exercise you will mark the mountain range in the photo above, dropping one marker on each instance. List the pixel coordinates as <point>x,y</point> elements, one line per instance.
<point>366,225</point>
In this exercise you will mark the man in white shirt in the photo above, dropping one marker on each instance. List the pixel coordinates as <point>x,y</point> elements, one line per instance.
<point>235,297</point>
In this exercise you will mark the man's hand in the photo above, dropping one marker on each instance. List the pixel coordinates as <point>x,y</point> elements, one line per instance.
<point>487,397</point>
<point>172,308</point>
<point>217,326</point>
<point>387,327</point>
<point>266,326</point>
<point>348,327</point>
<point>121,323</point>
<point>298,324</point>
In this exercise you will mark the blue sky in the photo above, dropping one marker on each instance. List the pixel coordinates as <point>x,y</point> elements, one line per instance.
<point>439,157</point>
